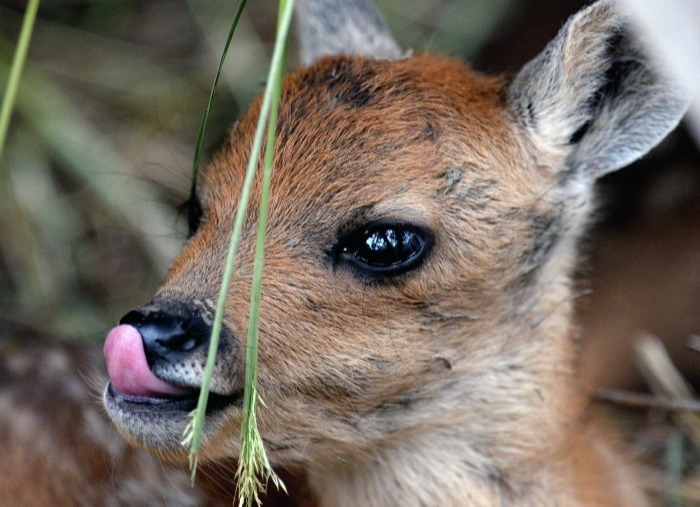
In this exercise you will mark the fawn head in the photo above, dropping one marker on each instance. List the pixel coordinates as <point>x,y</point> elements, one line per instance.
<point>423,226</point>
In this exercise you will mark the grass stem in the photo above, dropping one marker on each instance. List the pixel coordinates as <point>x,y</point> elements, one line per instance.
<point>253,461</point>
<point>18,61</point>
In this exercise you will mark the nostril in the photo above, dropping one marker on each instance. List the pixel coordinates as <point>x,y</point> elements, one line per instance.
<point>164,332</point>
<point>189,344</point>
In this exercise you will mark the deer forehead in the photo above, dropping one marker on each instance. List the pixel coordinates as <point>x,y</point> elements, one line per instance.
<point>390,136</point>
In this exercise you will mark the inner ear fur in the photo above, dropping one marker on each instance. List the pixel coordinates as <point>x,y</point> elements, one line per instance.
<point>593,101</point>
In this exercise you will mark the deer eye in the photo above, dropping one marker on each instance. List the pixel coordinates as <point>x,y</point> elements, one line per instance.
<point>384,250</point>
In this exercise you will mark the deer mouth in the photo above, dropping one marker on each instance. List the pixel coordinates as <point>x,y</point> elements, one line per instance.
<point>134,387</point>
<point>182,403</point>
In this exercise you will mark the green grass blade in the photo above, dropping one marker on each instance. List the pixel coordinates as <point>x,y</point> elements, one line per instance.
<point>194,429</point>
<point>18,61</point>
<point>253,462</point>
<point>207,110</point>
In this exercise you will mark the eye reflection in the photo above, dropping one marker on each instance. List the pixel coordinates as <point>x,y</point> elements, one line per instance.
<point>386,249</point>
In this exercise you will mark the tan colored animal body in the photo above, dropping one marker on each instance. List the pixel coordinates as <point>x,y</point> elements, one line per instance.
<point>416,343</point>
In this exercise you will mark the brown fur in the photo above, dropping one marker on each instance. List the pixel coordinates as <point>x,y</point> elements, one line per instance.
<point>454,383</point>
<point>57,445</point>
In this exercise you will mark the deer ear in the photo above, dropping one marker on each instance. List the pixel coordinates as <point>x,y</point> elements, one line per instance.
<point>342,27</point>
<point>592,101</point>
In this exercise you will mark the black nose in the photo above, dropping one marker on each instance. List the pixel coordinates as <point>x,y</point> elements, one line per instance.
<point>168,332</point>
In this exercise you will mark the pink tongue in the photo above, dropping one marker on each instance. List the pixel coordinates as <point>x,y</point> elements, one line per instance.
<point>128,369</point>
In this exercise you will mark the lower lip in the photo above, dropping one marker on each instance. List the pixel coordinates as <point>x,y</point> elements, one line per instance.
<point>215,401</point>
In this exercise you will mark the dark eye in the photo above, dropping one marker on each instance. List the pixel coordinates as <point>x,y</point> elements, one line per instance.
<point>385,250</point>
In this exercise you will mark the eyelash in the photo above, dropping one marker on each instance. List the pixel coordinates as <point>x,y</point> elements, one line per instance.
<point>194,215</point>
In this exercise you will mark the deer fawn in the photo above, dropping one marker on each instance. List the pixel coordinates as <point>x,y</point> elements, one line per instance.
<point>416,335</point>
